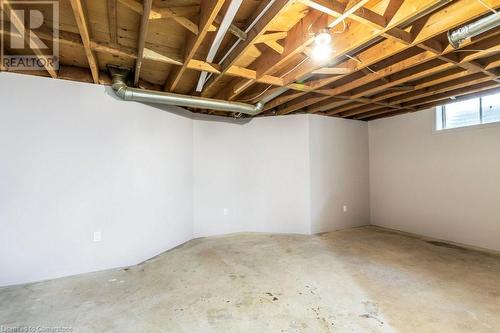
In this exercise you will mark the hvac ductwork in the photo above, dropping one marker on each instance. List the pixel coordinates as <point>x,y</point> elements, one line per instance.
<point>127,93</point>
<point>456,37</point>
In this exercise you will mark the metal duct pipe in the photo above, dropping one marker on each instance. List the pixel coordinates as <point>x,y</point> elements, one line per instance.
<point>127,93</point>
<point>457,36</point>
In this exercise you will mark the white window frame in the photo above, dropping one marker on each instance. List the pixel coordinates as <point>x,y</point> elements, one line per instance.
<point>442,109</point>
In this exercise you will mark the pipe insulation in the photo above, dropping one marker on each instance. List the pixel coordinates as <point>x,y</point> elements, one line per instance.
<point>127,93</point>
<point>456,37</point>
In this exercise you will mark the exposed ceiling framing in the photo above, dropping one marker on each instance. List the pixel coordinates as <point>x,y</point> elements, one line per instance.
<point>390,56</point>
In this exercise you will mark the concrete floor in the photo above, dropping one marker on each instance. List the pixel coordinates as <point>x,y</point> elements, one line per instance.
<point>357,280</point>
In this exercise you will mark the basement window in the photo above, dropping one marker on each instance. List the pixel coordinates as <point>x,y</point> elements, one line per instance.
<point>476,111</point>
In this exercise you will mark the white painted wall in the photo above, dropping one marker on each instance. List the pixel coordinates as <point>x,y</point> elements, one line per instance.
<point>439,184</point>
<point>339,173</point>
<point>258,171</point>
<point>74,160</point>
<point>280,174</point>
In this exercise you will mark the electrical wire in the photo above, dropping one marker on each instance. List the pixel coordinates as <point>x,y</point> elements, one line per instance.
<point>360,62</point>
<point>488,7</point>
<point>486,51</point>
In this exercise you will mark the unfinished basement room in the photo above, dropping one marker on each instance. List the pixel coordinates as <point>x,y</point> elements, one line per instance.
<point>208,166</point>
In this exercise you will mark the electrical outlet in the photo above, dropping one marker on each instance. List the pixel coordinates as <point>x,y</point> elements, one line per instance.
<point>97,236</point>
<point>225,211</point>
<point>344,208</point>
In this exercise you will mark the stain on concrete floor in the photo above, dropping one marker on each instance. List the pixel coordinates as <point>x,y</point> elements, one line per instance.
<point>356,280</point>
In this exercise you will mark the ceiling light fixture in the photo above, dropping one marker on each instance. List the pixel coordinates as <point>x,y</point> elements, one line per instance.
<point>322,48</point>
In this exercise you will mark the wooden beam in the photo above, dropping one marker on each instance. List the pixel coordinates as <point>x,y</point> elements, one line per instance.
<point>436,23</point>
<point>296,41</point>
<point>83,28</point>
<point>492,62</point>
<point>440,88</point>
<point>390,70</point>
<point>19,24</point>
<point>452,93</point>
<point>73,39</point>
<point>337,10</point>
<point>452,78</point>
<point>112,24</point>
<point>462,94</point>
<point>443,98</point>
<point>143,32</point>
<point>328,104</point>
<point>300,105</point>
<point>159,57</point>
<point>448,82</point>
<point>272,37</point>
<point>254,34</point>
<point>162,13</point>
<point>362,35</point>
<point>232,29</point>
<point>299,39</point>
<point>208,13</point>
<point>458,95</point>
<point>333,71</point>
<point>186,23</point>
<point>274,45</point>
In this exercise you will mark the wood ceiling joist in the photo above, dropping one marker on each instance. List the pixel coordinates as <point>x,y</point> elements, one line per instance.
<point>441,83</point>
<point>446,82</point>
<point>448,64</point>
<point>442,98</point>
<point>325,103</point>
<point>262,25</point>
<point>452,93</point>
<point>390,56</point>
<point>72,39</point>
<point>443,87</point>
<point>380,74</point>
<point>364,15</point>
<point>299,39</point>
<point>418,73</point>
<point>366,58</point>
<point>464,95</point>
<point>379,111</point>
<point>391,70</point>
<point>362,35</point>
<point>492,62</point>
<point>143,32</point>
<point>463,82</point>
<point>232,28</point>
<point>300,105</point>
<point>208,13</point>
<point>452,74</point>
<point>83,27</point>
<point>112,21</point>
<point>436,24</point>
<point>19,24</point>
<point>162,13</point>
<point>363,109</point>
<point>438,81</point>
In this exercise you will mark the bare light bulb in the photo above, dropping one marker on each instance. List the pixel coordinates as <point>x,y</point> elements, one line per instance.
<point>323,37</point>
<point>322,48</point>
